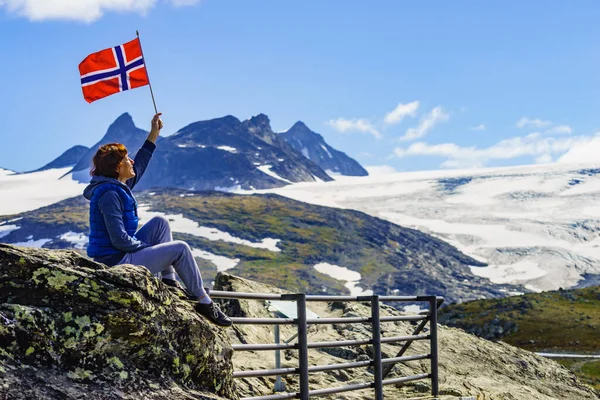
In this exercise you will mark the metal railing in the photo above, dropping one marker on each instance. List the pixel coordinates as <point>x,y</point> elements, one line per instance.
<point>381,366</point>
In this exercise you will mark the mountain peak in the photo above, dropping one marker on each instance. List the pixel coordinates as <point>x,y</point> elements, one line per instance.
<point>68,158</point>
<point>123,121</point>
<point>299,126</point>
<point>260,120</point>
<point>313,146</point>
<point>227,119</point>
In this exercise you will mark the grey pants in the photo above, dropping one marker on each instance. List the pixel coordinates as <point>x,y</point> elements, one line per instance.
<point>164,254</point>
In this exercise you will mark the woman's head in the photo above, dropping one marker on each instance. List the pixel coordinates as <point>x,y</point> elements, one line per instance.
<point>111,160</point>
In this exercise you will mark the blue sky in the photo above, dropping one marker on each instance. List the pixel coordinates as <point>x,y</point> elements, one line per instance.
<point>412,85</point>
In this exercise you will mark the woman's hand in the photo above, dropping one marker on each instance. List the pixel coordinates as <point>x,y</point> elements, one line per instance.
<point>157,125</point>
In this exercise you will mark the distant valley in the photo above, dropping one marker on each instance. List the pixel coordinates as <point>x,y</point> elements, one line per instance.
<point>297,246</point>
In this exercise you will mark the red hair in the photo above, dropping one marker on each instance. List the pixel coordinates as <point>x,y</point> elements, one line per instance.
<point>107,160</point>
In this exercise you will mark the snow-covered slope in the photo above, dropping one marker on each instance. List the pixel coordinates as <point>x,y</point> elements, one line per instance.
<point>25,192</point>
<point>534,225</point>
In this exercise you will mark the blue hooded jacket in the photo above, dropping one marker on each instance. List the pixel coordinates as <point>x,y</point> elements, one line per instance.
<point>113,213</point>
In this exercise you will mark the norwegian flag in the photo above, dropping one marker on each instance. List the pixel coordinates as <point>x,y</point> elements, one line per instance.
<point>113,70</point>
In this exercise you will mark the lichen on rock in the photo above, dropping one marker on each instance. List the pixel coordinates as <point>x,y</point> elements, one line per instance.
<point>70,326</point>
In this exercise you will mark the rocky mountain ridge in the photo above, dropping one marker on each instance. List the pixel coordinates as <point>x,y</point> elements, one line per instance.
<point>67,159</point>
<point>219,154</point>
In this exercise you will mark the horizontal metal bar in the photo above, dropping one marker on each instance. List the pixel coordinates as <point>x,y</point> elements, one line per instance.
<point>406,298</point>
<point>219,294</point>
<point>264,372</point>
<point>403,318</point>
<point>339,389</point>
<point>260,347</point>
<point>274,397</point>
<point>348,320</point>
<point>404,338</point>
<point>334,367</point>
<point>321,321</point>
<point>406,379</point>
<point>287,371</point>
<point>339,343</point>
<point>363,320</point>
<point>360,298</point>
<point>263,321</point>
<point>405,358</point>
<point>222,294</point>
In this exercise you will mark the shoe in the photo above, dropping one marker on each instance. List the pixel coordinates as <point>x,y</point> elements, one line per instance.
<point>214,314</point>
<point>175,283</point>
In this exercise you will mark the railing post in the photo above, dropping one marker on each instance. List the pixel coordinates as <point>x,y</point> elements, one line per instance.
<point>279,386</point>
<point>434,345</point>
<point>377,366</point>
<point>302,345</point>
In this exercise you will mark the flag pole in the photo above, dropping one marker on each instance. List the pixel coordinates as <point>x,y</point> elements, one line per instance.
<point>148,75</point>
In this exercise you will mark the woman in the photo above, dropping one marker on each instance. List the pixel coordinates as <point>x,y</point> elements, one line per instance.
<point>114,238</point>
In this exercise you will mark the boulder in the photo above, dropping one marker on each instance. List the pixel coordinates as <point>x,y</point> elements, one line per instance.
<point>71,328</point>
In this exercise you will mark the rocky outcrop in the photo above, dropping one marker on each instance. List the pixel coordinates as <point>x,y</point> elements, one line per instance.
<point>71,328</point>
<point>469,366</point>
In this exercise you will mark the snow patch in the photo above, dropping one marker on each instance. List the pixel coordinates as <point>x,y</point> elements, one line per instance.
<point>414,309</point>
<point>26,192</point>
<point>327,151</point>
<point>228,189</point>
<point>267,170</point>
<point>380,169</point>
<point>181,224</point>
<point>80,240</point>
<point>305,152</point>
<point>227,148</point>
<point>536,225</point>
<point>33,243</point>
<point>517,273</point>
<point>352,278</point>
<point>222,263</point>
<point>5,230</point>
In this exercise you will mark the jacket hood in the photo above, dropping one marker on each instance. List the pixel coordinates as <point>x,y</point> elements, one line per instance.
<point>99,180</point>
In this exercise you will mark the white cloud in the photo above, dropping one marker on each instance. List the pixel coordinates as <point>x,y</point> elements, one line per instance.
<point>402,110</point>
<point>428,122</point>
<point>79,10</point>
<point>559,130</point>
<point>354,125</point>
<point>534,145</point>
<point>480,127</point>
<point>530,122</point>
